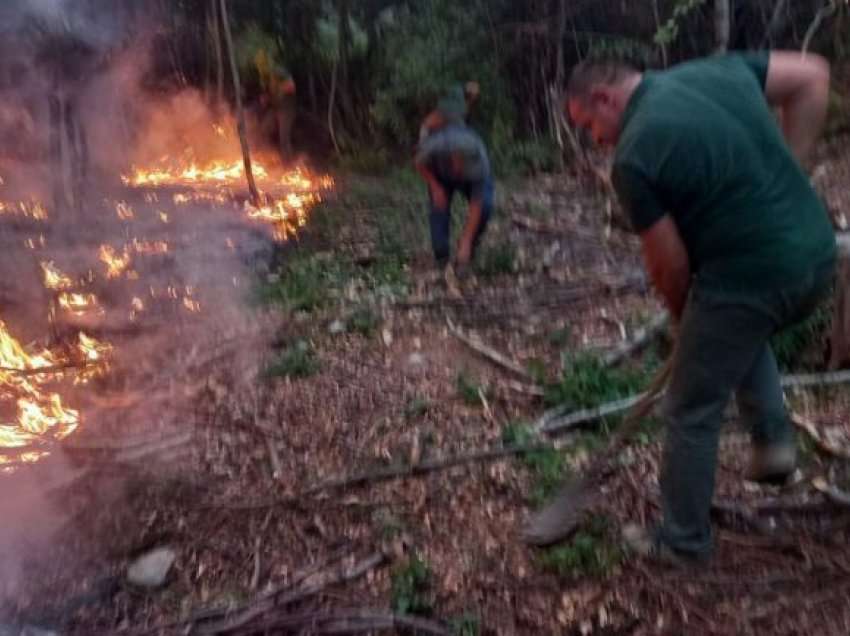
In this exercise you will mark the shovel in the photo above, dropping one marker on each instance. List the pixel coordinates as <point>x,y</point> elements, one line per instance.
<point>560,518</point>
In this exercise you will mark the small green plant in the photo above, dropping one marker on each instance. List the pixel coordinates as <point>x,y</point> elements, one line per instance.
<point>561,336</point>
<point>466,625</point>
<point>296,361</point>
<point>593,551</point>
<point>586,382</point>
<point>494,260</point>
<point>468,388</point>
<point>549,466</point>
<point>411,583</point>
<point>306,282</point>
<point>416,407</point>
<point>364,321</point>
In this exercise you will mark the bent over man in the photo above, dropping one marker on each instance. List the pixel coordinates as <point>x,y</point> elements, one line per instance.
<point>733,237</point>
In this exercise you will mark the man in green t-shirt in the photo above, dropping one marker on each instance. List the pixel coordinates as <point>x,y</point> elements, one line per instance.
<point>733,237</point>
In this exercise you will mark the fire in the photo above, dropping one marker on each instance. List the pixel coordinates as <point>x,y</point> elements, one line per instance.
<point>79,304</point>
<point>38,410</point>
<point>150,247</point>
<point>214,172</point>
<point>32,209</point>
<point>115,264</point>
<point>125,211</point>
<point>53,278</point>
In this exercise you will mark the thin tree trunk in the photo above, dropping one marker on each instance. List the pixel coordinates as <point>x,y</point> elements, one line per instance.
<point>331,100</point>
<point>722,25</point>
<point>219,61</point>
<point>777,21</point>
<point>655,12</point>
<point>240,115</point>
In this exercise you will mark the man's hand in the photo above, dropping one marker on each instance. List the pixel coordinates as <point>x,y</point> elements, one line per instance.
<point>473,220</point>
<point>798,84</point>
<point>666,260</point>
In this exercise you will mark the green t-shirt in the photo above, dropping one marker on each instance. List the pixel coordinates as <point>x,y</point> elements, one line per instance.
<point>699,142</point>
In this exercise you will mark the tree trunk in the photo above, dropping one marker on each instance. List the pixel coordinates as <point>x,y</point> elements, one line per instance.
<point>840,339</point>
<point>722,25</point>
<point>219,61</point>
<point>240,115</point>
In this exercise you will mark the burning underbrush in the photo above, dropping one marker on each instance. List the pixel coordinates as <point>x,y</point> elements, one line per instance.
<point>110,294</point>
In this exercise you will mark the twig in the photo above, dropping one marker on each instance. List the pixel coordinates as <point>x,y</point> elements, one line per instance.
<point>348,621</point>
<point>542,227</point>
<point>641,339</point>
<point>833,493</point>
<point>555,420</point>
<point>559,424</point>
<point>824,12</point>
<point>274,457</point>
<point>272,599</point>
<point>525,389</point>
<point>811,429</point>
<point>816,379</point>
<point>488,352</point>
<point>255,576</point>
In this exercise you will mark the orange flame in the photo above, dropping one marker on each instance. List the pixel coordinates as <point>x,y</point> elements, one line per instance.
<point>115,263</point>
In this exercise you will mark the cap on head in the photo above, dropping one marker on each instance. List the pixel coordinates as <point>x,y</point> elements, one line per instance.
<point>452,105</point>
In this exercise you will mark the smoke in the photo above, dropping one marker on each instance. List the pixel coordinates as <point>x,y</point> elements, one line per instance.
<point>95,56</point>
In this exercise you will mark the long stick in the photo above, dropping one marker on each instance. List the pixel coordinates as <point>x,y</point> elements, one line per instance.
<point>240,115</point>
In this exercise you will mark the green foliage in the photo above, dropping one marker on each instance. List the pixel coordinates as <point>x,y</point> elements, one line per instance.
<point>466,625</point>
<point>561,336</point>
<point>791,344</point>
<point>468,388</point>
<point>411,583</point>
<point>585,382</point>
<point>669,31</point>
<point>549,466</point>
<point>514,157</point>
<point>416,407</point>
<point>430,46</point>
<point>592,552</point>
<point>494,260</point>
<point>296,361</point>
<point>364,321</point>
<point>306,282</point>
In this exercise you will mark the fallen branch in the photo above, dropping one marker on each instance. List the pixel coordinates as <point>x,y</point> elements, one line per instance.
<point>387,474</point>
<point>57,368</point>
<point>488,352</point>
<point>833,493</point>
<point>559,424</point>
<point>275,598</point>
<point>557,419</point>
<point>346,621</point>
<point>642,337</point>
<point>542,227</point>
<point>816,379</point>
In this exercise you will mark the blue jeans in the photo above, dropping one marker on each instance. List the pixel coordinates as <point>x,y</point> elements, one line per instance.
<point>722,350</point>
<point>440,219</point>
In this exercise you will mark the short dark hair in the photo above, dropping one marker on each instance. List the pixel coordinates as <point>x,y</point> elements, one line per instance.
<point>587,74</point>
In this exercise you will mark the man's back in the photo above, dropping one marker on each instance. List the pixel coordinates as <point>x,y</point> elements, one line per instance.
<point>699,142</point>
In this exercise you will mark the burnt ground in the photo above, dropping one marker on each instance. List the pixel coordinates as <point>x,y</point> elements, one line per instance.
<point>343,364</point>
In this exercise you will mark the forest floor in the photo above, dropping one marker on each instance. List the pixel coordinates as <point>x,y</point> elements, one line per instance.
<point>364,368</point>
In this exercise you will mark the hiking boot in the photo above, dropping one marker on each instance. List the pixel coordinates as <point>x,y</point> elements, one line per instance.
<point>647,545</point>
<point>772,464</point>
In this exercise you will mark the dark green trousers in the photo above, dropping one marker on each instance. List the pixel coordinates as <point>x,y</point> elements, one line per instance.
<point>722,350</point>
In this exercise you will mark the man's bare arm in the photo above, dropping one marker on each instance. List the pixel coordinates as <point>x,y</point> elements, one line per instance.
<point>798,84</point>
<point>666,261</point>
